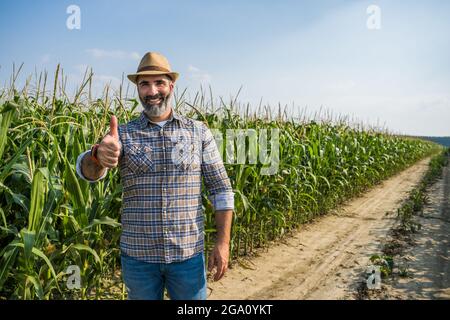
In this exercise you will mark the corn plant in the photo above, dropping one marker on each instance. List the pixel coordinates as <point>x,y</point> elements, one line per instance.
<point>50,219</point>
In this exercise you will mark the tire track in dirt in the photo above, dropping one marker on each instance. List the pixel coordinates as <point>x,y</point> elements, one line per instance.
<point>321,260</point>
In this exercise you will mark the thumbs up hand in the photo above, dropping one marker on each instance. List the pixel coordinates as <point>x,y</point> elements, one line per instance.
<point>108,151</point>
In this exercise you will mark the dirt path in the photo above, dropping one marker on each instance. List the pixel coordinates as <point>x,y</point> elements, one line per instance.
<point>325,258</point>
<point>428,259</point>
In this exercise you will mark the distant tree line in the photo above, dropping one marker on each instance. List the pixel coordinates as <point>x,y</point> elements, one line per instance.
<point>445,141</point>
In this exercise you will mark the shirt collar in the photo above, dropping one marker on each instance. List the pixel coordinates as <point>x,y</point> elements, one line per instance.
<point>144,120</point>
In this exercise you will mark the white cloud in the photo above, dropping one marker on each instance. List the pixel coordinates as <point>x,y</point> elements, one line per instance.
<point>198,75</point>
<point>103,79</point>
<point>99,81</point>
<point>113,54</point>
<point>135,56</point>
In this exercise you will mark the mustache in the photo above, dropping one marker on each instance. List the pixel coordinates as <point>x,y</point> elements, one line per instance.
<point>156,96</point>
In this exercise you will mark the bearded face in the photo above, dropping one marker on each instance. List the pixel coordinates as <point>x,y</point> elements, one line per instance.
<point>155,93</point>
<point>156,105</point>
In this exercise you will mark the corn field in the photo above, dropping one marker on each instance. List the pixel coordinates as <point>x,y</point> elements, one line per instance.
<point>50,219</point>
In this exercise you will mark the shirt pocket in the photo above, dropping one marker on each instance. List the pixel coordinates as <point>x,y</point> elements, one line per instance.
<point>186,155</point>
<point>139,158</point>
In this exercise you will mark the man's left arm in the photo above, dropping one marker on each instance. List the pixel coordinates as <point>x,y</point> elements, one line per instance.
<point>221,251</point>
<point>222,198</point>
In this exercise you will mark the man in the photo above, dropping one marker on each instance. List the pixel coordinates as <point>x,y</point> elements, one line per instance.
<point>162,158</point>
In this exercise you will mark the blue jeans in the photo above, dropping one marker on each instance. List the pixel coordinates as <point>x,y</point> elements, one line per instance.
<point>185,280</point>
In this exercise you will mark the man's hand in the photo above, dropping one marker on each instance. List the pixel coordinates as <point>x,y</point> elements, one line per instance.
<point>219,259</point>
<point>108,152</point>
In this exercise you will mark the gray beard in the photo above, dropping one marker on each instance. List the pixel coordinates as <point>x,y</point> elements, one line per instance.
<point>156,110</point>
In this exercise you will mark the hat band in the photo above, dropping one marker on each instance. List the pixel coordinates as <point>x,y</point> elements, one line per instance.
<point>153,68</point>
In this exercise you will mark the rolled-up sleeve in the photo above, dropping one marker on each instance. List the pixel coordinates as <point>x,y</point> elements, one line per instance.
<point>80,173</point>
<point>214,174</point>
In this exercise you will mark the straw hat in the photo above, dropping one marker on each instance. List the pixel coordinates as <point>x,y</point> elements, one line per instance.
<point>153,63</point>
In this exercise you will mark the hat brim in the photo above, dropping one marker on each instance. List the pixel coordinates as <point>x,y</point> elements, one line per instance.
<point>133,77</point>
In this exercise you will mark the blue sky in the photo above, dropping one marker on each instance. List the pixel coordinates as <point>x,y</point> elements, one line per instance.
<point>298,53</point>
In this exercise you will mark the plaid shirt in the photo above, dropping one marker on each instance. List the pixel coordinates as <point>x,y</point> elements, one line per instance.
<point>161,170</point>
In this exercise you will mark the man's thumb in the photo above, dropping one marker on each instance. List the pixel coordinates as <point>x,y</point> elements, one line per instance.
<point>113,130</point>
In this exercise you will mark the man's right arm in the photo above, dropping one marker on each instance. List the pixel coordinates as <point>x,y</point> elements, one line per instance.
<point>88,169</point>
<point>108,154</point>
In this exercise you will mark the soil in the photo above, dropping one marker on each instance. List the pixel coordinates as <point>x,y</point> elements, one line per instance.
<point>327,258</point>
